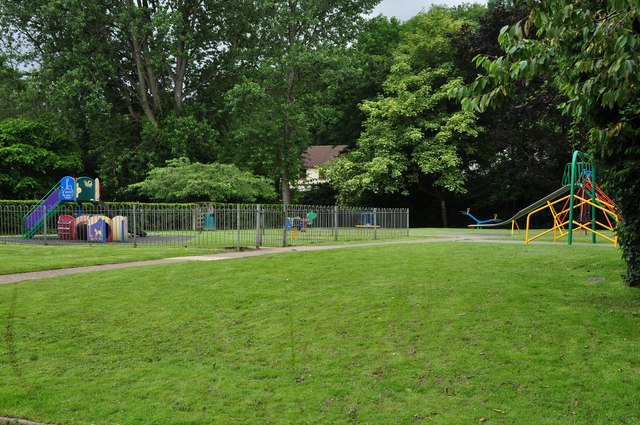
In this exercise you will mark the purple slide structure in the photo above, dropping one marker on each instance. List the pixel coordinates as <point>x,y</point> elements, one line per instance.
<point>39,214</point>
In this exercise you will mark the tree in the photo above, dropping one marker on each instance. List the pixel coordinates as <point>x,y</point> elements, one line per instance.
<point>296,62</point>
<point>34,155</point>
<point>414,130</point>
<point>522,152</point>
<point>184,181</point>
<point>370,60</point>
<point>150,53</point>
<point>595,48</point>
<point>124,75</point>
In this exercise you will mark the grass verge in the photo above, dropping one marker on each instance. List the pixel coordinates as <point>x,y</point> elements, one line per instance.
<point>447,333</point>
<point>19,258</point>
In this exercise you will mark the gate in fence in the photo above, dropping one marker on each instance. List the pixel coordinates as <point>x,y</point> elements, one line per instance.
<point>216,225</point>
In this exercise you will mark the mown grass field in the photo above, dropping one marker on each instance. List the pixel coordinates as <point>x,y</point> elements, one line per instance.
<point>446,333</point>
<point>19,258</point>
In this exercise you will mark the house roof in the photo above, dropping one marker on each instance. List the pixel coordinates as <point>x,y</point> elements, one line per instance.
<point>316,155</point>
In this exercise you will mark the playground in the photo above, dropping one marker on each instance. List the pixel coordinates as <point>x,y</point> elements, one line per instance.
<point>73,212</point>
<point>579,204</point>
<point>100,226</point>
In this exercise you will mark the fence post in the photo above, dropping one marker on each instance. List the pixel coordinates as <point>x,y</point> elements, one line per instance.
<point>44,223</point>
<point>238,227</point>
<point>135,233</point>
<point>335,222</point>
<point>375,223</point>
<point>407,221</point>
<point>258,231</point>
<point>284,225</point>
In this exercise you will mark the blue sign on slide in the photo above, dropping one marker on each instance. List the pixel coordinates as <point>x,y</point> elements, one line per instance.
<point>67,189</point>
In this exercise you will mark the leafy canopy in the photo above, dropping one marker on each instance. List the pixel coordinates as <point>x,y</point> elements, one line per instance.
<point>413,129</point>
<point>182,181</point>
<point>34,155</point>
<point>298,63</point>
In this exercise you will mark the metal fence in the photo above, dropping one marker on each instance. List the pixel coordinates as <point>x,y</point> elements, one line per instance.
<point>216,225</point>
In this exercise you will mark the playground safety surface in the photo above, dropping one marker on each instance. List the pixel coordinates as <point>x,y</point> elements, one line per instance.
<point>434,238</point>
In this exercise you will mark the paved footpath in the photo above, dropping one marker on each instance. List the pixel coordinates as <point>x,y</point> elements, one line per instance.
<point>19,277</point>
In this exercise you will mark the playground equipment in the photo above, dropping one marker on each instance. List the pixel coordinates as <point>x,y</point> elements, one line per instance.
<point>586,207</point>
<point>368,220</point>
<point>93,228</point>
<point>495,218</point>
<point>299,224</point>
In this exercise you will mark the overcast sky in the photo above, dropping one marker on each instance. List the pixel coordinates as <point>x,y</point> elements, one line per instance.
<point>405,9</point>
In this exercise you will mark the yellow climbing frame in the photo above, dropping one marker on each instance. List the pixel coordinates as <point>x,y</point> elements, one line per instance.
<point>561,221</point>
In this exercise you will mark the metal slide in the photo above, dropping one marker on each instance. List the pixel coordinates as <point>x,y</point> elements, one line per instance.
<point>528,209</point>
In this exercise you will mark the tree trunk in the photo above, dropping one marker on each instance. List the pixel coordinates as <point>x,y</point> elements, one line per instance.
<point>443,211</point>
<point>142,83</point>
<point>154,87</point>
<point>292,76</point>
<point>189,22</point>
<point>178,79</point>
<point>141,74</point>
<point>284,160</point>
<point>286,190</point>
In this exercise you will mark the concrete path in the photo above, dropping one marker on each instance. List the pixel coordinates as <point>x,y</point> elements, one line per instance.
<point>15,421</point>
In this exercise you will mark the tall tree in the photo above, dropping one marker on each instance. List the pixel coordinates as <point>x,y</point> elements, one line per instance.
<point>594,47</point>
<point>146,51</point>
<point>370,59</point>
<point>414,130</point>
<point>126,73</point>
<point>522,152</point>
<point>296,62</point>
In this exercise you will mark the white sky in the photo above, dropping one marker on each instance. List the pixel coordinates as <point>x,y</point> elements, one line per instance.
<point>406,9</point>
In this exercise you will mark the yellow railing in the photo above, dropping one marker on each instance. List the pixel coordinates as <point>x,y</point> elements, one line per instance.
<point>560,225</point>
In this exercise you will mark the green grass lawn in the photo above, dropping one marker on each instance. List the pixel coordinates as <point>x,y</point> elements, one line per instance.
<point>433,333</point>
<point>504,233</point>
<point>18,258</point>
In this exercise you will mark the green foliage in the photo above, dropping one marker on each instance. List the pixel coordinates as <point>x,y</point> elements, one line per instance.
<point>34,155</point>
<point>366,66</point>
<point>594,49</point>
<point>181,134</point>
<point>413,129</point>
<point>128,78</point>
<point>522,152</point>
<point>182,180</point>
<point>298,64</point>
<point>318,194</point>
